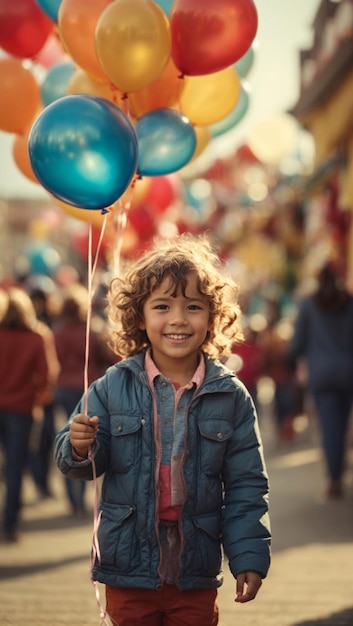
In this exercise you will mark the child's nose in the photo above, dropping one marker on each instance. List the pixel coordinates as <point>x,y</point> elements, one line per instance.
<point>178,316</point>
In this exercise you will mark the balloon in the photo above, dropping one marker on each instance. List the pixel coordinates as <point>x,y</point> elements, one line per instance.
<point>43,259</point>
<point>244,65</point>
<point>54,85</point>
<point>166,141</point>
<point>133,43</point>
<point>162,93</point>
<point>21,156</point>
<point>77,21</point>
<point>166,5</point>
<point>51,53</point>
<point>234,117</point>
<point>50,8</point>
<point>209,36</point>
<point>20,96</point>
<point>207,99</point>
<point>24,28</point>
<point>81,82</point>
<point>96,218</point>
<point>203,137</point>
<point>83,150</point>
<point>162,192</point>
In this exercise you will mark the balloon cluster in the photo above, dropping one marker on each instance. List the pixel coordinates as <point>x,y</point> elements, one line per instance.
<point>129,87</point>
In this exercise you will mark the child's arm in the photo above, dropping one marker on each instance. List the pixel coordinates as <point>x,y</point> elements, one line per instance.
<point>248,584</point>
<point>83,431</point>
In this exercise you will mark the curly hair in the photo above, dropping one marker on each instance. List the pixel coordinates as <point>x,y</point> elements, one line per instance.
<point>174,259</point>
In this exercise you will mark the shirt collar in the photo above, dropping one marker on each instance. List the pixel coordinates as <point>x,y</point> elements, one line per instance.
<point>153,371</point>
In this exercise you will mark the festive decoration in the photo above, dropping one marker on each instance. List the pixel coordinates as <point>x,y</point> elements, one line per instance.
<point>83,150</point>
<point>20,96</point>
<point>21,156</point>
<point>54,85</point>
<point>133,43</point>
<point>77,20</point>
<point>24,28</point>
<point>164,92</point>
<point>244,65</point>
<point>234,117</point>
<point>50,8</point>
<point>207,99</point>
<point>166,141</point>
<point>211,35</point>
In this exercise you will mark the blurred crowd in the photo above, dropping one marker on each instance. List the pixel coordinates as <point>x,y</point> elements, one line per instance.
<point>299,364</point>
<point>46,358</point>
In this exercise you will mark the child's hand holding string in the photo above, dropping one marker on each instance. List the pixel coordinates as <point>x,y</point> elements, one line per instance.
<point>83,431</point>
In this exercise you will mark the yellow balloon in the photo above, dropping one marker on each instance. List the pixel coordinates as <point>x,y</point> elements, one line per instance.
<point>203,137</point>
<point>96,218</point>
<point>133,43</point>
<point>81,82</point>
<point>207,99</point>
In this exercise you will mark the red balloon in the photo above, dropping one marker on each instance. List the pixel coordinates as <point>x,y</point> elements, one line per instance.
<point>161,192</point>
<point>210,35</point>
<point>142,221</point>
<point>24,28</point>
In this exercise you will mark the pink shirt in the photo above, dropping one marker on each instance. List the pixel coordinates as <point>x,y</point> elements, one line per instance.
<point>169,477</point>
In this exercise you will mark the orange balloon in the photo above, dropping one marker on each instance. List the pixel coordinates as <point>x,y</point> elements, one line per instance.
<point>133,43</point>
<point>21,156</point>
<point>162,93</point>
<point>77,21</point>
<point>81,82</point>
<point>208,99</point>
<point>20,96</point>
<point>136,192</point>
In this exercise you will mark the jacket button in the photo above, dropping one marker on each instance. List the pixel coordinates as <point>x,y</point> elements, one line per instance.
<point>219,436</point>
<point>159,587</point>
<point>120,428</point>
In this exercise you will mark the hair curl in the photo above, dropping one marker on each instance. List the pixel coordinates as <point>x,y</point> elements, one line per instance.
<point>174,259</point>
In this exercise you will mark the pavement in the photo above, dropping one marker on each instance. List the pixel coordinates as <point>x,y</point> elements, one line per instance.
<point>44,578</point>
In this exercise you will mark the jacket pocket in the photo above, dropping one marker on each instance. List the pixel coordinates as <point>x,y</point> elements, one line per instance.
<point>117,541</point>
<point>125,441</point>
<point>208,542</point>
<point>214,436</point>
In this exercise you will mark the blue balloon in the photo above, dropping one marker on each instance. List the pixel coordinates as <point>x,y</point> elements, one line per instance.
<point>166,5</point>
<point>166,142</point>
<point>244,65</point>
<point>43,260</point>
<point>54,85</point>
<point>234,117</point>
<point>84,150</point>
<point>50,8</point>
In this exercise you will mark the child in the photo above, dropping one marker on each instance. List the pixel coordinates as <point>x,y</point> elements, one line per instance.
<point>175,434</point>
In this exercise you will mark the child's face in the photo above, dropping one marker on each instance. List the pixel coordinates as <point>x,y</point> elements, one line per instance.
<point>176,326</point>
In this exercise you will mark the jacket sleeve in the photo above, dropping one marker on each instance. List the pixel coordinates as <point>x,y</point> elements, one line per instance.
<point>97,401</point>
<point>246,525</point>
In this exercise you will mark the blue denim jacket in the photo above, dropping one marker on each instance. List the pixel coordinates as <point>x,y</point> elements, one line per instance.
<point>224,473</point>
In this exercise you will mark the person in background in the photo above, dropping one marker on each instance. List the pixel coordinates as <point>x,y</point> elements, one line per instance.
<point>175,433</point>
<point>70,342</point>
<point>24,378</point>
<point>44,430</point>
<point>323,340</point>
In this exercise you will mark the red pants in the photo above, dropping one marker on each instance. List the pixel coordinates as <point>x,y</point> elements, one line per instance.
<point>168,607</point>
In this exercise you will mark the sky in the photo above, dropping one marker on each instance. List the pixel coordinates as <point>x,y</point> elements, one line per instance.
<point>284,28</point>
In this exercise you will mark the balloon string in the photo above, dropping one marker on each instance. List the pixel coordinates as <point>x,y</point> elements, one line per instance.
<point>96,515</point>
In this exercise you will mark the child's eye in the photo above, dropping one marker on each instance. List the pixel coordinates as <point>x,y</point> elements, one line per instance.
<point>161,307</point>
<point>194,307</point>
